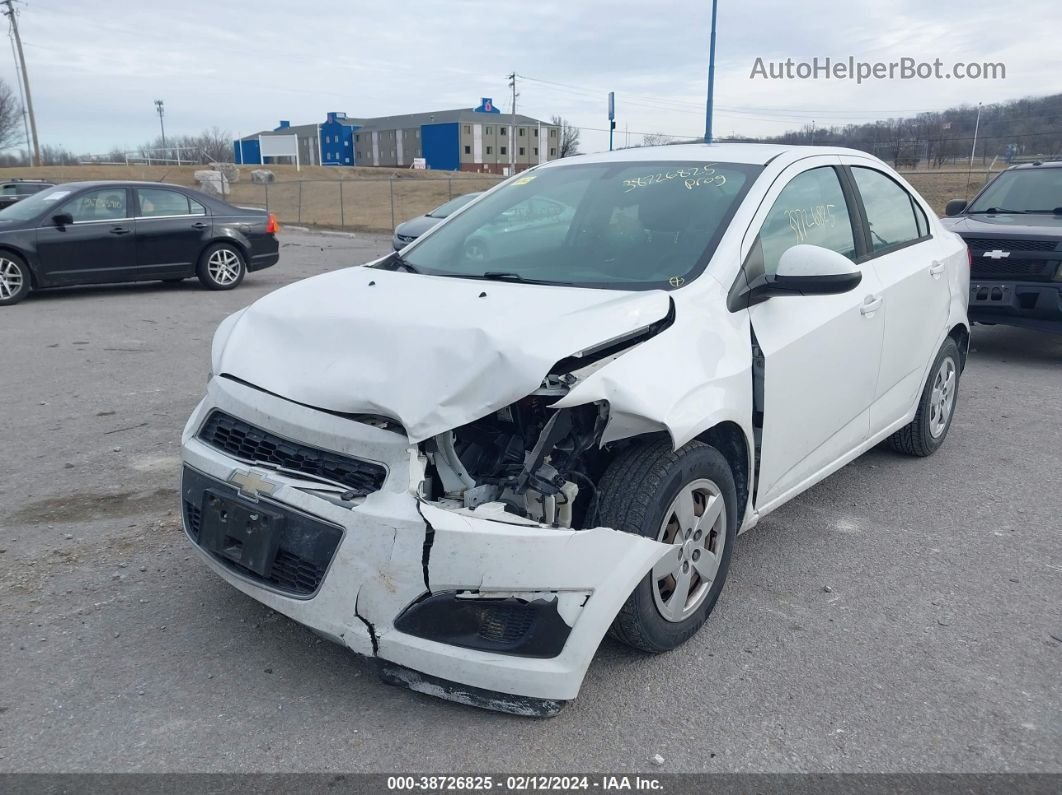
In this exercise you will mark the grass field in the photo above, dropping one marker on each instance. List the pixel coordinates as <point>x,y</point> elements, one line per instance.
<point>375,199</point>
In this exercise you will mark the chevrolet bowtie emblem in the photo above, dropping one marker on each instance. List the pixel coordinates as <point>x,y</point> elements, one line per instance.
<point>251,484</point>
<point>996,254</point>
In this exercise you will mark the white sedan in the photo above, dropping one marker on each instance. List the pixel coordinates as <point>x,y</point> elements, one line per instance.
<point>472,466</point>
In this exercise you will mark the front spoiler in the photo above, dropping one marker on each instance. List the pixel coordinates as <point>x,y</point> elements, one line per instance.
<point>396,548</point>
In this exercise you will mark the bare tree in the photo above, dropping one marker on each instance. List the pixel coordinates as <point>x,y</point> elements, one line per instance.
<point>656,139</point>
<point>11,131</point>
<point>569,137</point>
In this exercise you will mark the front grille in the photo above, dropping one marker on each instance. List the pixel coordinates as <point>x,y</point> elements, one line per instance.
<point>248,443</point>
<point>993,243</point>
<point>305,548</point>
<point>505,624</point>
<point>406,238</point>
<point>1002,268</point>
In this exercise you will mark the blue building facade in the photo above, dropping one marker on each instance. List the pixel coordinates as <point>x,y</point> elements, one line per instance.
<point>337,140</point>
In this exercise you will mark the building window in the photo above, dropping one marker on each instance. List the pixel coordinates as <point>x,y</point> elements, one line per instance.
<point>536,151</point>
<point>521,151</point>
<point>501,131</point>
<point>468,128</point>
<point>553,133</point>
<point>520,132</point>
<point>536,132</point>
<point>468,150</point>
<point>552,152</point>
<point>487,129</point>
<point>346,142</point>
<point>502,150</point>
<point>418,132</point>
<point>490,150</point>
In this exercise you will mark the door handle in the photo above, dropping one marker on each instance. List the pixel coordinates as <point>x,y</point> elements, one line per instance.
<point>199,225</point>
<point>871,304</point>
<point>936,269</point>
<point>120,230</point>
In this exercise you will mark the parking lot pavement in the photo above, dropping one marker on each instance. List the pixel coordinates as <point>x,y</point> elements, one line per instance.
<point>904,615</point>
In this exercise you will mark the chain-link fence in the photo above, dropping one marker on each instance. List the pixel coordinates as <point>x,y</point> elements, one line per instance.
<point>375,205</point>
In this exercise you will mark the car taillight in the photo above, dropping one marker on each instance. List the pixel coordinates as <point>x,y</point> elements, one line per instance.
<point>272,227</point>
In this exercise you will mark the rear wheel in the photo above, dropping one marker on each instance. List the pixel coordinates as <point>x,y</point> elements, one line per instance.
<point>14,279</point>
<point>685,498</point>
<point>221,267</point>
<point>925,434</point>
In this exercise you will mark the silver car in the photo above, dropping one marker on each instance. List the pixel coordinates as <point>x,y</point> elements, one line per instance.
<point>408,231</point>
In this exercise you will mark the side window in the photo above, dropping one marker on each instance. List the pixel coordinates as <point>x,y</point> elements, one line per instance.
<point>810,209</point>
<point>104,204</point>
<point>890,210</point>
<point>154,201</point>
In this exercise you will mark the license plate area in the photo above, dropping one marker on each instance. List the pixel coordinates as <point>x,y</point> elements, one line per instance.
<point>246,534</point>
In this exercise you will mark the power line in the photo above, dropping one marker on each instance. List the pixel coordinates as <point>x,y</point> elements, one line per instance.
<point>12,15</point>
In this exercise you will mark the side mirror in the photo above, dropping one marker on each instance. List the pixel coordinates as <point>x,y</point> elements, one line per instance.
<point>954,207</point>
<point>804,270</point>
<point>62,219</point>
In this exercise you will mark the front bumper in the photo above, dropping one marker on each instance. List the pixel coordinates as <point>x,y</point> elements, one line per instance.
<point>396,548</point>
<point>1035,305</point>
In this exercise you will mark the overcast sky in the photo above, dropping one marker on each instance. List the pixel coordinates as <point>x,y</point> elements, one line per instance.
<point>95,69</point>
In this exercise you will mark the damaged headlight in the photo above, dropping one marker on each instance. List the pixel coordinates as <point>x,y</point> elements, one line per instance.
<point>533,459</point>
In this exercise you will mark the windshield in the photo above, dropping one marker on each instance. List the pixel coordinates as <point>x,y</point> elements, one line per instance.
<point>32,206</point>
<point>1024,190</point>
<point>452,206</point>
<point>618,225</point>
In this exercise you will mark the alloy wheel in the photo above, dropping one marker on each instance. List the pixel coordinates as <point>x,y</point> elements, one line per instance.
<point>695,525</point>
<point>11,279</point>
<point>942,398</point>
<point>224,266</point>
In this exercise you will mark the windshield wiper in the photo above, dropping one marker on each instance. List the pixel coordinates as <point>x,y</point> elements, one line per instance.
<point>996,211</point>
<point>396,261</point>
<point>503,276</point>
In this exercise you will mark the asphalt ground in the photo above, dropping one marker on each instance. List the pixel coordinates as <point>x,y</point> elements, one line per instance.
<point>903,615</point>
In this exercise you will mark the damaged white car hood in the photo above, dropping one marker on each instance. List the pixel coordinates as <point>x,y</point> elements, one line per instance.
<point>433,353</point>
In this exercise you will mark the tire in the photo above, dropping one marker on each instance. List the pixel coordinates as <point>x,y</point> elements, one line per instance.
<point>638,494</point>
<point>221,267</point>
<point>14,279</point>
<point>925,434</point>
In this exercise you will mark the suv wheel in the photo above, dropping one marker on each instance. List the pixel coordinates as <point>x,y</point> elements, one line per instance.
<point>14,279</point>
<point>685,498</point>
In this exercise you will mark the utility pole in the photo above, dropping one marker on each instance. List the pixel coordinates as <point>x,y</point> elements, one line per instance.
<point>12,15</point>
<point>977,125</point>
<point>162,126</point>
<point>711,78</point>
<point>512,127</point>
<point>611,117</point>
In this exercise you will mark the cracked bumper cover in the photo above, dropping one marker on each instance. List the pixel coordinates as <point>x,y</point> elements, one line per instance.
<point>383,563</point>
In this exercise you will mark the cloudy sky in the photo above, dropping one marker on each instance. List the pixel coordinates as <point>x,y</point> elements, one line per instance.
<point>96,69</point>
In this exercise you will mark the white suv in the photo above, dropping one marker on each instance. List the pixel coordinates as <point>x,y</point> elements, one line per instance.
<point>473,459</point>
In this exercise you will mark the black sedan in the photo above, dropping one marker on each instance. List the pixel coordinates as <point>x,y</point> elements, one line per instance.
<point>102,232</point>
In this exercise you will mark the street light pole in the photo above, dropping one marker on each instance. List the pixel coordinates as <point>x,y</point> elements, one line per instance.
<point>711,78</point>
<point>977,125</point>
<point>162,126</point>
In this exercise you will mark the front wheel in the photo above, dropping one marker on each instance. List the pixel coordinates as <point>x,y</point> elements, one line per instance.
<point>14,279</point>
<point>221,267</point>
<point>685,498</point>
<point>925,434</point>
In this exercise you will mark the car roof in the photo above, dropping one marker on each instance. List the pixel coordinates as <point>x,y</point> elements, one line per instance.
<point>114,183</point>
<point>752,154</point>
<point>1038,164</point>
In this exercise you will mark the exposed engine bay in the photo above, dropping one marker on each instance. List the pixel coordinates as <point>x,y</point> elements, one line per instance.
<point>537,462</point>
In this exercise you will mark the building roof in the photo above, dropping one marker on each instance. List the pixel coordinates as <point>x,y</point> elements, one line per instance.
<point>448,117</point>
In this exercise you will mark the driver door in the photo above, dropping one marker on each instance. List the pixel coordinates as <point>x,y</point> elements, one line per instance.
<point>820,354</point>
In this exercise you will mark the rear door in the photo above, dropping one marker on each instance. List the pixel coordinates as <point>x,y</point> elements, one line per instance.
<point>172,229</point>
<point>820,353</point>
<point>911,267</point>
<point>98,246</point>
